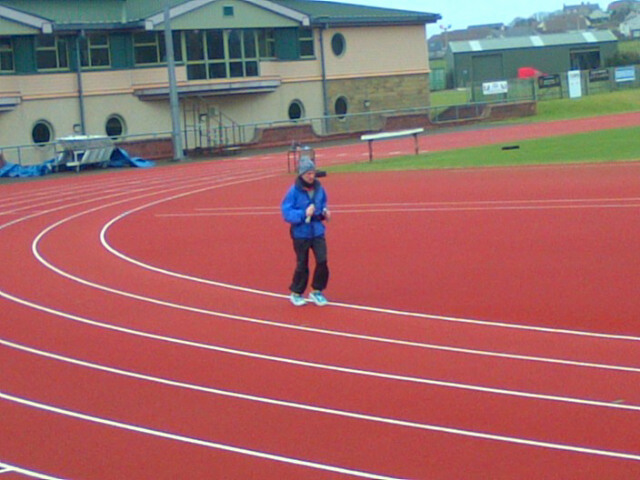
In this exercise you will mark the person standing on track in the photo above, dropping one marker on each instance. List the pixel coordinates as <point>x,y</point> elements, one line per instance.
<point>304,207</point>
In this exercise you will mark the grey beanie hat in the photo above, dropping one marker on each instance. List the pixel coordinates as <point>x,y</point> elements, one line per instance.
<point>305,165</point>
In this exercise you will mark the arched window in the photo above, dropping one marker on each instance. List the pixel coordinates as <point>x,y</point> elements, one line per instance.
<point>296,110</point>
<point>341,107</point>
<point>115,126</point>
<point>338,44</point>
<point>42,132</point>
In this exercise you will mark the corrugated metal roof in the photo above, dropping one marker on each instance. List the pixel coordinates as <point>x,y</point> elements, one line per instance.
<point>537,41</point>
<point>114,12</point>
<point>344,13</point>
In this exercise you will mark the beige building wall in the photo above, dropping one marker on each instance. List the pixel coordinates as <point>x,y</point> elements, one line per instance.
<point>378,50</point>
<point>381,69</point>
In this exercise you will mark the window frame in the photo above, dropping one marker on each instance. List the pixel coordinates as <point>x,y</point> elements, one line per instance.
<point>157,44</point>
<point>60,49</point>
<point>91,49</point>
<point>231,58</point>
<point>7,52</point>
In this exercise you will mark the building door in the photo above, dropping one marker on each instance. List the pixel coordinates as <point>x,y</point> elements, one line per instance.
<point>487,68</point>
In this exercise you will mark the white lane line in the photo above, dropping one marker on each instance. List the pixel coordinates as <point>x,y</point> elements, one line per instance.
<point>255,398</point>
<point>6,468</point>
<point>386,311</point>
<point>278,458</point>
<point>336,333</point>
<point>302,363</point>
<point>195,441</point>
<point>117,253</point>
<point>281,325</point>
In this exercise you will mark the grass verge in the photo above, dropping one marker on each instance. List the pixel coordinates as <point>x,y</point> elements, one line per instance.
<point>602,146</point>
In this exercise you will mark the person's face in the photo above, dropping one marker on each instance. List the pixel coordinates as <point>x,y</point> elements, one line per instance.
<point>309,176</point>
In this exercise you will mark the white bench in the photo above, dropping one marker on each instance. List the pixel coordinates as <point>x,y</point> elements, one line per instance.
<point>79,150</point>
<point>371,137</point>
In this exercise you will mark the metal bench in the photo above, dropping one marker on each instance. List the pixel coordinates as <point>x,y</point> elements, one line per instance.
<point>80,150</point>
<point>371,137</point>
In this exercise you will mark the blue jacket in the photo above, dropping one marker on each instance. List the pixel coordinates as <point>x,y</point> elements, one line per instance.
<point>294,206</point>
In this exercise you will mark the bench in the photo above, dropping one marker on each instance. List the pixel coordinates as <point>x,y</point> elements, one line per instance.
<point>371,137</point>
<point>80,150</point>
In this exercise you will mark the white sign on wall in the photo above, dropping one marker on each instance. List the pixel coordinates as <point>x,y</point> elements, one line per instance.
<point>575,83</point>
<point>494,88</point>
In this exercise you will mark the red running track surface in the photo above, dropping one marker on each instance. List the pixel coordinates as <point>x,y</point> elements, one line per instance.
<point>482,324</point>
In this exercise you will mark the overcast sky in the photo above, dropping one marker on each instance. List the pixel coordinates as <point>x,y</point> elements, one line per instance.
<point>462,13</point>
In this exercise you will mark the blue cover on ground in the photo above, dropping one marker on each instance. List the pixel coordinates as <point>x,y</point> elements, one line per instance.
<point>14,170</point>
<point>119,158</point>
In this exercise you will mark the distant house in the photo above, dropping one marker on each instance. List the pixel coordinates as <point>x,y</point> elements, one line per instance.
<point>500,59</point>
<point>630,28</point>
<point>584,9</point>
<point>566,22</point>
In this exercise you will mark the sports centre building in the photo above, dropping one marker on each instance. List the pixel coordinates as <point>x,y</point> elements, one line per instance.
<point>100,67</point>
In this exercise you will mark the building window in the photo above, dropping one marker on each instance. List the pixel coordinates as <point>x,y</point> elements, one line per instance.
<point>341,107</point>
<point>6,55</point>
<point>267,43</point>
<point>149,48</point>
<point>115,126</point>
<point>94,51</point>
<point>227,11</point>
<point>585,59</point>
<point>306,43</point>
<point>338,44</point>
<point>42,132</point>
<point>296,110</point>
<point>221,54</point>
<point>52,53</point>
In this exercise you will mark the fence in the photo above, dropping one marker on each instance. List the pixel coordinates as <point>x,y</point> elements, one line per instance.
<point>212,138</point>
<point>557,86</point>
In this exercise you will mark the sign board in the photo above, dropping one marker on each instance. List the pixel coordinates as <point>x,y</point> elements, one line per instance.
<point>625,74</point>
<point>495,88</point>
<point>548,81</point>
<point>575,83</point>
<point>599,75</point>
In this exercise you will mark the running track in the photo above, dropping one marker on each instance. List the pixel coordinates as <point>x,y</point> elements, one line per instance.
<point>483,323</point>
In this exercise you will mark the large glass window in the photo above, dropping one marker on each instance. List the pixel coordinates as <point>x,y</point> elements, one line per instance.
<point>221,54</point>
<point>52,53</point>
<point>149,48</point>
<point>94,50</point>
<point>6,55</point>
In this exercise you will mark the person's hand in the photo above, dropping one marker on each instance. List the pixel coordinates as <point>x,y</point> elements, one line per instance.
<point>327,214</point>
<point>311,209</point>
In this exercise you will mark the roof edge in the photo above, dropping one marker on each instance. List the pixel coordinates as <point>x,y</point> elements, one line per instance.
<point>43,24</point>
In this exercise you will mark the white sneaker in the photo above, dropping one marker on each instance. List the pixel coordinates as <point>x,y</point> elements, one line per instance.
<point>297,299</point>
<point>318,298</point>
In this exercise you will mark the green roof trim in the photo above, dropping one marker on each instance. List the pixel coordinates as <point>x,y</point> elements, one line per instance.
<point>114,14</point>
<point>345,14</point>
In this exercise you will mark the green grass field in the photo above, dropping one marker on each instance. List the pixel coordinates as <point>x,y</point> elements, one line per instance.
<point>603,146</point>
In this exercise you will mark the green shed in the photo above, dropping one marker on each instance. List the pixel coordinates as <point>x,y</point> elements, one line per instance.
<point>495,59</point>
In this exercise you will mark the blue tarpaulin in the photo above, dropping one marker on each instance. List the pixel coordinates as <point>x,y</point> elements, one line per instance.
<point>119,158</point>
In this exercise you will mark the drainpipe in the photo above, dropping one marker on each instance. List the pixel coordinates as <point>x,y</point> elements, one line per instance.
<point>325,93</point>
<point>83,129</point>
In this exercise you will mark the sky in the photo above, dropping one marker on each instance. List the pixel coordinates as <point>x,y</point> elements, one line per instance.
<point>459,14</point>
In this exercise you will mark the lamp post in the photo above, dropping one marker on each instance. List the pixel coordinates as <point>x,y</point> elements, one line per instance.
<point>178,153</point>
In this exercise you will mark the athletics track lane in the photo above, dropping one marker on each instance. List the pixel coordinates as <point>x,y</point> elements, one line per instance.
<point>461,408</point>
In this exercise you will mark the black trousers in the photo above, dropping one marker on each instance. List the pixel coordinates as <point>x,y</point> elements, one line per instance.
<point>301,274</point>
